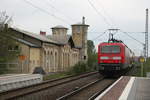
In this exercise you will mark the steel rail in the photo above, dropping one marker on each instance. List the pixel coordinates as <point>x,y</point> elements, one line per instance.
<point>41,86</point>
<point>98,93</point>
<point>78,90</point>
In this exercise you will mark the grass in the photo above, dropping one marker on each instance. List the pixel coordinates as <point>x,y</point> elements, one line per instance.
<point>145,69</point>
<point>55,76</point>
<point>77,69</point>
<point>138,71</point>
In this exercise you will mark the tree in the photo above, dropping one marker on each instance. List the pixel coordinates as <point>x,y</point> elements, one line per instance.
<point>92,55</point>
<point>8,45</point>
<point>91,47</point>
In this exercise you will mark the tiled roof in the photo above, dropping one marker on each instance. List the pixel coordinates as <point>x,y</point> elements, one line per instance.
<point>61,39</point>
<point>28,43</point>
<point>34,35</point>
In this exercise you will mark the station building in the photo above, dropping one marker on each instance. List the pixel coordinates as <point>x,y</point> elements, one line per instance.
<point>53,53</point>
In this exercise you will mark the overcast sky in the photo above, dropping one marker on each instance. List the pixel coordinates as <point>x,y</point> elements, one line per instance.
<point>127,15</point>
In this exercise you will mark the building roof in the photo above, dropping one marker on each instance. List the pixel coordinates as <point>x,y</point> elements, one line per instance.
<point>61,39</point>
<point>28,43</point>
<point>79,24</point>
<point>36,36</point>
<point>55,39</point>
<point>59,27</point>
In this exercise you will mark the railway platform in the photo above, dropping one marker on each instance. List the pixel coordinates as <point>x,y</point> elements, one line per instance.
<point>127,88</point>
<point>12,81</point>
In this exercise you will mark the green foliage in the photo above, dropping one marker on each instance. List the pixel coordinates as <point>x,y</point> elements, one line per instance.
<point>92,55</point>
<point>81,67</point>
<point>147,66</point>
<point>91,47</point>
<point>78,68</point>
<point>55,76</point>
<point>7,51</point>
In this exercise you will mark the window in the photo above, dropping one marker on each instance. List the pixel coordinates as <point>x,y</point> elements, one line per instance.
<point>51,53</point>
<point>13,48</point>
<point>110,49</point>
<point>16,48</point>
<point>84,57</point>
<point>10,48</point>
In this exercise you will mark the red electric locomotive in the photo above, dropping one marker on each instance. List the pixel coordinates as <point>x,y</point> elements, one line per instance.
<point>114,57</point>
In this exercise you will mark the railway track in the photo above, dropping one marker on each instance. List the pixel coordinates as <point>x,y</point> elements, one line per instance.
<point>50,89</point>
<point>89,91</point>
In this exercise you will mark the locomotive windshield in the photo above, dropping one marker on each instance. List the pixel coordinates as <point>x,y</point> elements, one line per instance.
<point>110,49</point>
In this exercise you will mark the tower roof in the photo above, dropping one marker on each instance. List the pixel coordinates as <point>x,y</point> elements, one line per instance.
<point>59,27</point>
<point>79,24</point>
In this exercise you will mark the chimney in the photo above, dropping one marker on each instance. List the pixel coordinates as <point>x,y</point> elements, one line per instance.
<point>83,20</point>
<point>43,33</point>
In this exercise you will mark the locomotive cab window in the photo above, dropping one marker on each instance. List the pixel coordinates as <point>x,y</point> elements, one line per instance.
<point>110,49</point>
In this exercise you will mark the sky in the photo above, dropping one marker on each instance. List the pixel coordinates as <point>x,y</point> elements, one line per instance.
<point>126,15</point>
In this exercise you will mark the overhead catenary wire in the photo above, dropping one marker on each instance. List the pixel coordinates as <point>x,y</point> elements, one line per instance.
<point>44,11</point>
<point>68,23</point>
<point>49,4</point>
<point>131,37</point>
<point>105,12</point>
<point>99,13</point>
<point>100,35</point>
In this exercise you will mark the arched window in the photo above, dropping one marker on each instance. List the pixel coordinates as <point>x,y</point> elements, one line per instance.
<point>52,61</point>
<point>51,53</point>
<point>44,59</point>
<point>48,60</point>
<point>56,62</point>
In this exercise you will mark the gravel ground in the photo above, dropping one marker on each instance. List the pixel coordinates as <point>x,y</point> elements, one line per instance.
<point>90,91</point>
<point>55,92</point>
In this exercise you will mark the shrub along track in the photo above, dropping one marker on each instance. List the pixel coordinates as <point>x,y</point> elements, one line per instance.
<point>50,89</point>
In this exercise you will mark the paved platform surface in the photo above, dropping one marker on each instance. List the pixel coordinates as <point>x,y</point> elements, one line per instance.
<point>12,81</point>
<point>127,88</point>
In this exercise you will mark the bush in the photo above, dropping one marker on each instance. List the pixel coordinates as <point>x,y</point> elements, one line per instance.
<point>147,66</point>
<point>78,68</point>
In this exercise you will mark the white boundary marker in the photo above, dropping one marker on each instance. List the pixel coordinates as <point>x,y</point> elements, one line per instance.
<point>126,92</point>
<point>102,94</point>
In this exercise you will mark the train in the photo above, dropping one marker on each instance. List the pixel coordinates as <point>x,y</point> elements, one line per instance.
<point>114,58</point>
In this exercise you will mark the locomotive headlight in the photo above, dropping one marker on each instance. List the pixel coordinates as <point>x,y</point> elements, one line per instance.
<point>116,58</point>
<point>104,57</point>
